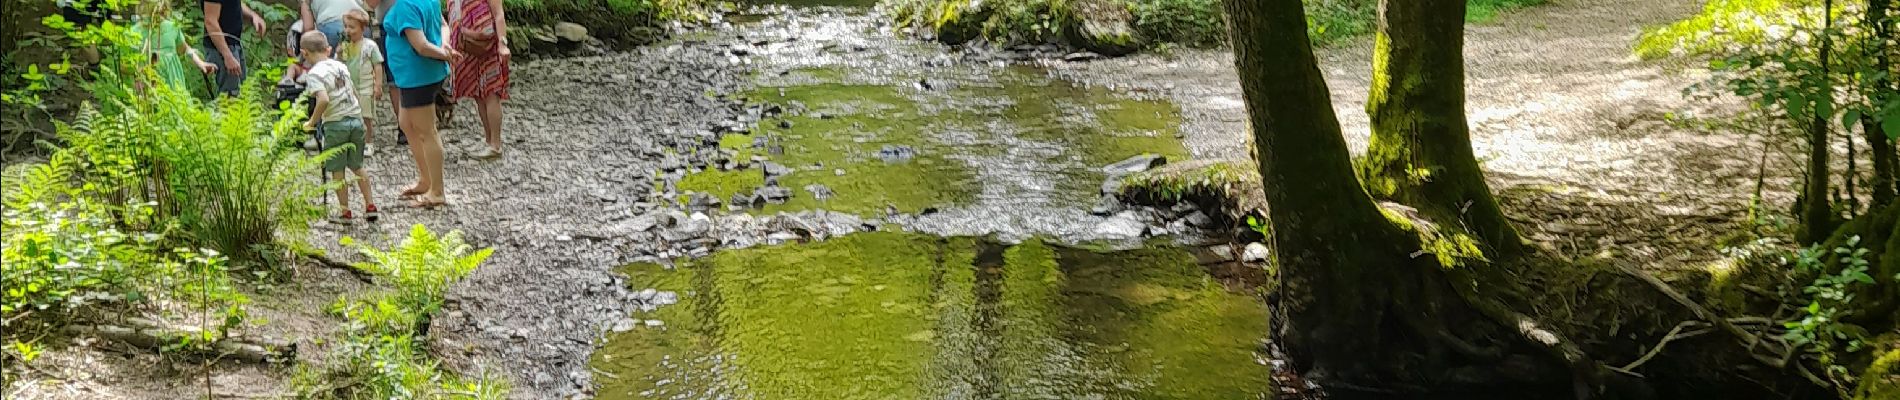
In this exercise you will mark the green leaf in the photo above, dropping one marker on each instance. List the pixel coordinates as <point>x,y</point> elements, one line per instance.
<point>1850,117</point>
<point>1892,125</point>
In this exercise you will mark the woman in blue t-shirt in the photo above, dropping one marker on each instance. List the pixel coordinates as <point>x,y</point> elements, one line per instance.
<point>418,62</point>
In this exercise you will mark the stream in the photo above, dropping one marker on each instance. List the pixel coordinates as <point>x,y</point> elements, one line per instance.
<point>989,269</point>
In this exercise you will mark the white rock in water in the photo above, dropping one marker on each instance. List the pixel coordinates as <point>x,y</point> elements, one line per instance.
<point>1255,252</point>
<point>646,294</point>
<point>1121,226</point>
<point>654,323</point>
<point>570,31</point>
<point>625,324</point>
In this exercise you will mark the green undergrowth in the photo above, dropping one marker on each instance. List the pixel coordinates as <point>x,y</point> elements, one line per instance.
<point>1726,25</point>
<point>1195,23</point>
<point>382,355</point>
<point>896,315</point>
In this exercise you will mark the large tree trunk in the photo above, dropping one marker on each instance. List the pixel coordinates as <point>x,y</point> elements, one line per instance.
<point>1817,213</point>
<point>1878,91</point>
<point>1357,308</point>
<point>1420,152</point>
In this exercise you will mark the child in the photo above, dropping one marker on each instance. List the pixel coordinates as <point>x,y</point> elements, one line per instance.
<point>339,115</point>
<point>365,60</point>
<point>167,46</point>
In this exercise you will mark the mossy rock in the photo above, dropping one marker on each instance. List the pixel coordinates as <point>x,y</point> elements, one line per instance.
<point>1103,26</point>
<point>1881,380</point>
<point>959,22</point>
<point>1231,187</point>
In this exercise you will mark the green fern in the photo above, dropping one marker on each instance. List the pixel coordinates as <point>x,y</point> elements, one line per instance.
<point>423,266</point>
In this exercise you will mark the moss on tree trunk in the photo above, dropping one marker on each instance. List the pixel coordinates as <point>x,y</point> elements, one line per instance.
<point>1420,152</point>
<point>1817,213</point>
<point>1878,88</point>
<point>1356,304</point>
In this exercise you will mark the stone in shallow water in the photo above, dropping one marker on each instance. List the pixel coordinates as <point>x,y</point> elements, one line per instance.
<point>1106,205</point>
<point>773,169</point>
<point>896,153</point>
<point>1135,164</point>
<point>1121,226</point>
<point>774,194</point>
<point>1255,252</point>
<point>820,192</point>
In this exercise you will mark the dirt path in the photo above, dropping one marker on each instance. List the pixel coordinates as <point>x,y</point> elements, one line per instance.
<point>1570,126</point>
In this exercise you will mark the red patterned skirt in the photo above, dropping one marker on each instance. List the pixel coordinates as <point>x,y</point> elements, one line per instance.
<point>478,75</point>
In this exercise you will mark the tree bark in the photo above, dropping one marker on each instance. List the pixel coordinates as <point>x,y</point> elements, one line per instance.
<point>1878,91</point>
<point>1420,153</point>
<point>1817,214</point>
<point>1356,309</point>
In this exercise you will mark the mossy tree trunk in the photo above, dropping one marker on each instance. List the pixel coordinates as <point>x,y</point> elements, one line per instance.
<point>1879,89</point>
<point>1354,304</point>
<point>1420,151</point>
<point>1817,213</point>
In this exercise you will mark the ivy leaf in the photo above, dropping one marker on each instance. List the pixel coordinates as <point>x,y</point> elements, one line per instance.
<point>1850,117</point>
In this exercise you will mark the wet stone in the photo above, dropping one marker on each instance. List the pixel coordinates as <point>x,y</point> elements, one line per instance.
<point>1106,205</point>
<point>773,169</point>
<point>1199,220</point>
<point>1135,164</point>
<point>1255,252</point>
<point>774,194</point>
<point>896,153</point>
<point>820,192</point>
<point>1121,226</point>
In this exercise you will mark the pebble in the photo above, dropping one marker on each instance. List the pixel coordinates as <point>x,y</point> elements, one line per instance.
<point>1255,252</point>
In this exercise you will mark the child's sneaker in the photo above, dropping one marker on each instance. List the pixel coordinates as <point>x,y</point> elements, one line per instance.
<point>369,213</point>
<point>346,218</point>
<point>369,150</point>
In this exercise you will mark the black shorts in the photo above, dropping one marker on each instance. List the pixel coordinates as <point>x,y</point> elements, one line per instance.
<point>425,95</point>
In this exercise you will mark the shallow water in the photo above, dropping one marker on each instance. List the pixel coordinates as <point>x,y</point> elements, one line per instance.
<point>886,315</point>
<point>1013,129</point>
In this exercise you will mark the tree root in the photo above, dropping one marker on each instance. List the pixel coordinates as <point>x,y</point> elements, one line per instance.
<point>326,261</point>
<point>1782,359</point>
<point>153,336</point>
<point>1587,379</point>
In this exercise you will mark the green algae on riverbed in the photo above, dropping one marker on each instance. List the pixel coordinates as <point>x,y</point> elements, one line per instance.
<point>885,315</point>
<point>954,133</point>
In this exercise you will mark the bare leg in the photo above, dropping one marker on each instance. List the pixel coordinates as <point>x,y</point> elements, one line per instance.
<point>490,110</point>
<point>362,184</point>
<point>411,121</point>
<point>342,191</point>
<point>427,146</point>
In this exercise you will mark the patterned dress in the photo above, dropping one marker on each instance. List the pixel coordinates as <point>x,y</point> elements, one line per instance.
<point>478,75</point>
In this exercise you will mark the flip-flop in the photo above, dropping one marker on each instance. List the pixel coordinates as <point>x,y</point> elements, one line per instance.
<point>427,204</point>
<point>410,192</point>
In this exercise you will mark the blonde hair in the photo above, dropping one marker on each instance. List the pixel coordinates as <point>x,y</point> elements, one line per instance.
<point>314,41</point>
<point>357,19</point>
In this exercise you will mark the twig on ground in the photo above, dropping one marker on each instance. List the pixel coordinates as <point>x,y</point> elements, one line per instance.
<point>1673,335</point>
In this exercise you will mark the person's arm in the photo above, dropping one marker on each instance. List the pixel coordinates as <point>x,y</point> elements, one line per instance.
<point>501,28</point>
<point>304,14</point>
<point>257,21</point>
<point>196,59</point>
<point>421,43</point>
<point>213,10</point>
<point>376,89</point>
<point>321,93</point>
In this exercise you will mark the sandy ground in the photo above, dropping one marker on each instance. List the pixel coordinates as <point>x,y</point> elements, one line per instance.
<point>1572,129</point>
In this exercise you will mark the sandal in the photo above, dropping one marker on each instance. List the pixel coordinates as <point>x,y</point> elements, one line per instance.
<point>370,214</point>
<point>427,204</point>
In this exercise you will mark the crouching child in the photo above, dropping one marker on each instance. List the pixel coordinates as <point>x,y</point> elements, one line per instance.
<point>338,116</point>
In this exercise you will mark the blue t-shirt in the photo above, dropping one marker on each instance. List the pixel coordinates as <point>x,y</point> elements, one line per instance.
<point>409,69</point>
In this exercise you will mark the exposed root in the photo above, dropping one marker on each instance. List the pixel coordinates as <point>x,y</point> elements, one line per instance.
<point>1586,373</point>
<point>326,261</point>
<point>1781,359</point>
<point>152,336</point>
<point>1673,335</point>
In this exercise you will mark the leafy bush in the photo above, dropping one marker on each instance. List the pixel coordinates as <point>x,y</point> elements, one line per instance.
<point>379,358</point>
<point>1188,22</point>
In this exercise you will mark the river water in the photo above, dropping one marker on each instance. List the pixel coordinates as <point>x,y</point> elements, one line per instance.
<point>993,167</point>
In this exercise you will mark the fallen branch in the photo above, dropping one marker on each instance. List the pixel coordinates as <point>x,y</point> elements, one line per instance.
<point>156,338</point>
<point>326,261</point>
<point>1748,341</point>
<point>1673,335</point>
